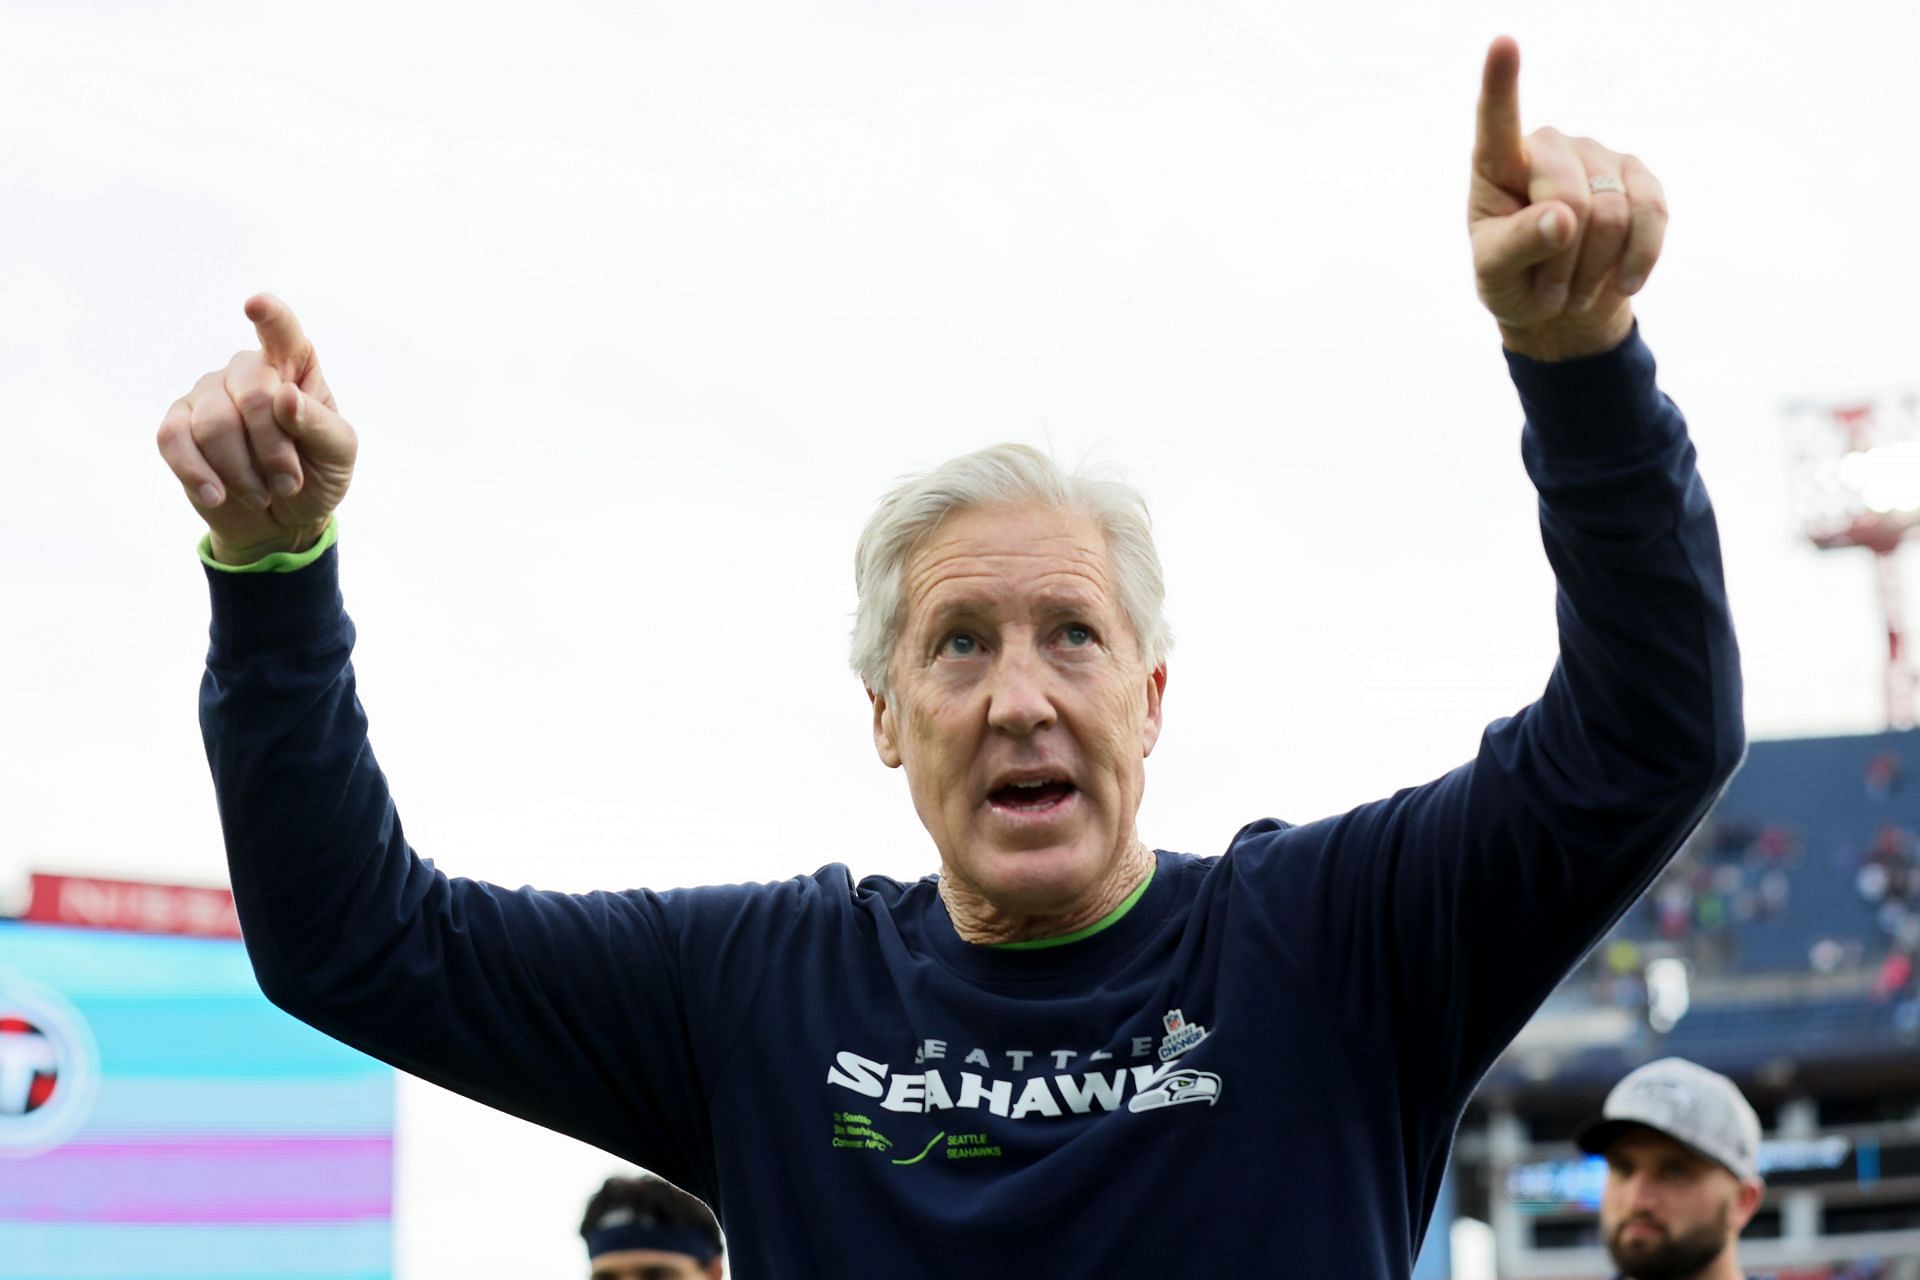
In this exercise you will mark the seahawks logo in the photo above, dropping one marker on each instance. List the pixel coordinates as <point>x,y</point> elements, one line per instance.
<point>1181,1086</point>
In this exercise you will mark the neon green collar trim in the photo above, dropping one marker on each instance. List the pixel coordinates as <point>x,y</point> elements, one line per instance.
<point>1106,921</point>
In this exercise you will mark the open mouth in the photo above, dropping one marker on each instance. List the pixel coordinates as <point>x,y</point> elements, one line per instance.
<point>1033,796</point>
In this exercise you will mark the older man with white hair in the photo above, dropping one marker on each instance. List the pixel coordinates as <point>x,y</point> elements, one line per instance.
<point>1067,1052</point>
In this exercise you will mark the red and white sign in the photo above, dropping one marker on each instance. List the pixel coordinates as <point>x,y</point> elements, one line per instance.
<point>132,906</point>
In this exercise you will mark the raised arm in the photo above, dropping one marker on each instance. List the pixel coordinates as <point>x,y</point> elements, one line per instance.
<point>566,1010</point>
<point>1509,869</point>
<point>1436,921</point>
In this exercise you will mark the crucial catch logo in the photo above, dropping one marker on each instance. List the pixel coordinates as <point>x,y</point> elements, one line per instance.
<point>1181,1035</point>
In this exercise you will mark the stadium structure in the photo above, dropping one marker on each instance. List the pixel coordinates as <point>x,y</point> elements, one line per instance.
<point>1779,948</point>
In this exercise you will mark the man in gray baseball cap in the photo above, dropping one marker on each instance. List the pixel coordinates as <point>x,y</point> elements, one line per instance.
<point>1682,1146</point>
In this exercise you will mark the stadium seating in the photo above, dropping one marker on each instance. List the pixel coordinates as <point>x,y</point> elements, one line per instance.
<point>1787,957</point>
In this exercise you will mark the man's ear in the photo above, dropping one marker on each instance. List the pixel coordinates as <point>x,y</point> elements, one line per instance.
<point>1746,1202</point>
<point>1156,689</point>
<point>885,741</point>
<point>714,1269</point>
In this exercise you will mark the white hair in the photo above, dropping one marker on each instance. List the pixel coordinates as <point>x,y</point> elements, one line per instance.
<point>1005,475</point>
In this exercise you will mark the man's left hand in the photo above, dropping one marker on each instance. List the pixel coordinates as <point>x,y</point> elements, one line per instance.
<point>1564,230</point>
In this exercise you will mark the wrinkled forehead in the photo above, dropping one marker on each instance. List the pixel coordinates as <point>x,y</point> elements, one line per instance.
<point>999,558</point>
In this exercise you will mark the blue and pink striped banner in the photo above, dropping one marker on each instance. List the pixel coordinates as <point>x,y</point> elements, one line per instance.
<point>159,1119</point>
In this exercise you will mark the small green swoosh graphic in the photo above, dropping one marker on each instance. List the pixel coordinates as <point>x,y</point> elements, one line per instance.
<point>923,1151</point>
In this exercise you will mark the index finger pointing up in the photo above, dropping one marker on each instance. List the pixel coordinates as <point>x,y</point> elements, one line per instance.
<point>1498,153</point>
<point>282,341</point>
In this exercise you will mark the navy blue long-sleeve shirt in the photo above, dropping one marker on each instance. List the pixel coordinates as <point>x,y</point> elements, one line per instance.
<point>1260,1065</point>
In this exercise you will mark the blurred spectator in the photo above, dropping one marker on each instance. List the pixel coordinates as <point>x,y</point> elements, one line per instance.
<point>1729,837</point>
<point>1893,917</point>
<point>1830,955</point>
<point>1623,957</point>
<point>1872,883</point>
<point>1883,775</point>
<point>1906,1019</point>
<point>1892,847</point>
<point>648,1229</point>
<point>1775,843</point>
<point>1674,907</point>
<point>1894,976</point>
<point>1732,873</point>
<point>1775,889</point>
<point>1621,984</point>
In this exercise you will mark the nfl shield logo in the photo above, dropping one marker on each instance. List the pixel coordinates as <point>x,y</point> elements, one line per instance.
<point>1181,1035</point>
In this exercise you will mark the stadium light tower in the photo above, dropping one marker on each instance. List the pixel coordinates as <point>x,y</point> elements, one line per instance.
<point>1856,481</point>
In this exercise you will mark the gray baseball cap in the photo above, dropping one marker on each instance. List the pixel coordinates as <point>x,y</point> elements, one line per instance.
<point>1696,1107</point>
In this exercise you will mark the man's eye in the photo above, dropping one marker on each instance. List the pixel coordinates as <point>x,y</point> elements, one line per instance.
<point>1077,636</point>
<point>959,645</point>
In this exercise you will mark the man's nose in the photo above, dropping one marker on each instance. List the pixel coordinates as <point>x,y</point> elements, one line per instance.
<point>1018,698</point>
<point>1642,1194</point>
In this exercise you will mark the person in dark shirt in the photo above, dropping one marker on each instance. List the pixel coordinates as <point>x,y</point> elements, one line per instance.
<point>1067,1050</point>
<point>1682,1146</point>
<point>646,1228</point>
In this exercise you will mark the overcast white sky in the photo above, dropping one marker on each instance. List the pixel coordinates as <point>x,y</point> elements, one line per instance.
<point>638,307</point>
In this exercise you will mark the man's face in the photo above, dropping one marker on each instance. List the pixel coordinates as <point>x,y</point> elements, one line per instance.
<point>1021,707</point>
<point>1666,1211</point>
<point>652,1264</point>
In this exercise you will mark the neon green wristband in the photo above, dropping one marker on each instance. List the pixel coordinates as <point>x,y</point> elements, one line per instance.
<point>279,561</point>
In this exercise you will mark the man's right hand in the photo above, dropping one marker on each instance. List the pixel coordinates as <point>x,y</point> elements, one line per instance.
<point>262,452</point>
